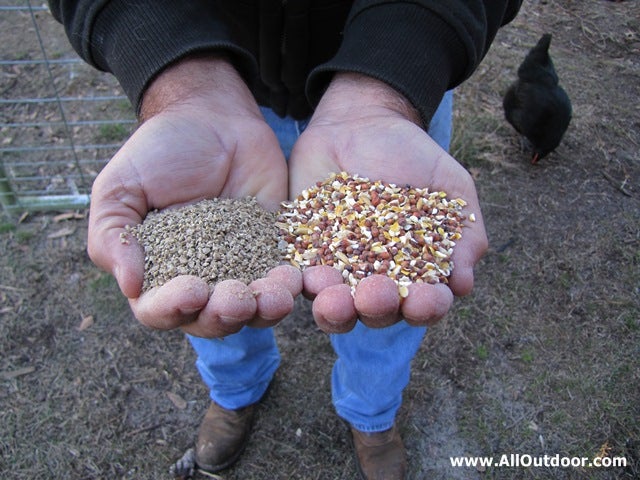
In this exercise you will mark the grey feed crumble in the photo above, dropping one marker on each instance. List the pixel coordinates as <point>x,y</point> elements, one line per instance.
<point>216,240</point>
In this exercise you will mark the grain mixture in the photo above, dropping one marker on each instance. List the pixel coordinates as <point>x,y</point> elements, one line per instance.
<point>216,240</point>
<point>362,227</point>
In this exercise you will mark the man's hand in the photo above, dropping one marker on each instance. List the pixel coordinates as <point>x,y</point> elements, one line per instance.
<point>364,127</point>
<point>202,136</point>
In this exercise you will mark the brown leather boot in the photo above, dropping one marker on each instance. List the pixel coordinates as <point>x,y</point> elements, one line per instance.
<point>380,455</point>
<point>223,436</point>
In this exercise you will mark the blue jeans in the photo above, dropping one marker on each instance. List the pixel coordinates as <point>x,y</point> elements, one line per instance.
<point>373,365</point>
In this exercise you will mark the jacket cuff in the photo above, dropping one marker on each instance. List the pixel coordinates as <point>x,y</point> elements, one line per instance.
<point>421,60</point>
<point>136,40</point>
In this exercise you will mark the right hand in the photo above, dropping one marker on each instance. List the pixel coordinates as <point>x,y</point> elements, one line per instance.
<point>363,126</point>
<point>203,136</point>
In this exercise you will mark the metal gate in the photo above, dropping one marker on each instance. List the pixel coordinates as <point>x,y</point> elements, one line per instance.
<point>60,119</point>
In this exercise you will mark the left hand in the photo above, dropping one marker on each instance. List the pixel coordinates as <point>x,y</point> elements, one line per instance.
<point>203,137</point>
<point>363,126</point>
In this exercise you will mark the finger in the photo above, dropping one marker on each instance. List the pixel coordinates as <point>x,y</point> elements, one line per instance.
<point>289,276</point>
<point>377,301</point>
<point>273,302</point>
<point>316,279</point>
<point>426,304</point>
<point>113,249</point>
<point>116,203</point>
<point>473,244</point>
<point>230,307</point>
<point>175,303</point>
<point>467,252</point>
<point>333,309</point>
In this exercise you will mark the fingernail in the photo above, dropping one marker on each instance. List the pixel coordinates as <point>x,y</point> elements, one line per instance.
<point>230,320</point>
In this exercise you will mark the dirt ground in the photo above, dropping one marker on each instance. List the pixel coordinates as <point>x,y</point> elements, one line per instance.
<point>542,358</point>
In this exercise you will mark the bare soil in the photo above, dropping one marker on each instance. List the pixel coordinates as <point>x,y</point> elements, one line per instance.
<point>542,358</point>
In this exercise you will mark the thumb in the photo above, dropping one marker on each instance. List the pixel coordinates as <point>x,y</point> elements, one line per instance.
<point>466,254</point>
<point>112,248</point>
<point>114,206</point>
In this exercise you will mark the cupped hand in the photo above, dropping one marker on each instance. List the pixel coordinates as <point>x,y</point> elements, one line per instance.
<point>363,127</point>
<point>202,137</point>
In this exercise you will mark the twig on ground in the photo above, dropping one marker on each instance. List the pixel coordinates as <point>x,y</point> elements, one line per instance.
<point>142,430</point>
<point>617,184</point>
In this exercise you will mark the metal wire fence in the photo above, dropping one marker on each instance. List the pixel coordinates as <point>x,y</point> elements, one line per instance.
<point>60,119</point>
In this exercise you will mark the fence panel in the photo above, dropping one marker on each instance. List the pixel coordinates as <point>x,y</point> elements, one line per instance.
<point>60,119</point>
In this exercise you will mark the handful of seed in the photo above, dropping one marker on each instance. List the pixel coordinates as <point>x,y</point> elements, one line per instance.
<point>215,240</point>
<point>362,227</point>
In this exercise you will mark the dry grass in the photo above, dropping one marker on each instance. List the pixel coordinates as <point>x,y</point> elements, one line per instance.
<point>543,358</point>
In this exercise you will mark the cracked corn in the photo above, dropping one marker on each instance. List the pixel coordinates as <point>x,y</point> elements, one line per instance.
<point>215,240</point>
<point>362,227</point>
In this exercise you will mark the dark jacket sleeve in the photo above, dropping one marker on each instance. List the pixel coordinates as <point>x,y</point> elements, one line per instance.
<point>421,48</point>
<point>136,39</point>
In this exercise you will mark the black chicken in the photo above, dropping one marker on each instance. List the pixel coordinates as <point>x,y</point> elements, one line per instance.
<point>536,105</point>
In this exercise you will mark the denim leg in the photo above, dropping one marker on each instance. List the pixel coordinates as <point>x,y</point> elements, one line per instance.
<point>286,129</point>
<point>372,370</point>
<point>374,365</point>
<point>238,368</point>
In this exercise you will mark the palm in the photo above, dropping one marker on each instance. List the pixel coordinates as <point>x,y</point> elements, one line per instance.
<point>379,147</point>
<point>386,147</point>
<point>177,158</point>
